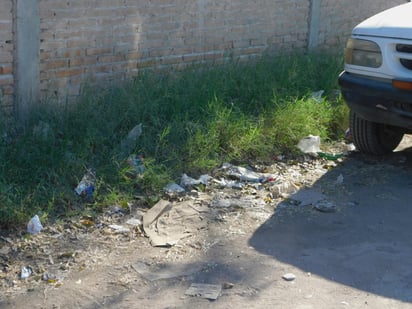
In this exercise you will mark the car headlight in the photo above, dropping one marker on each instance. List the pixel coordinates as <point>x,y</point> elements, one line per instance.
<point>363,53</point>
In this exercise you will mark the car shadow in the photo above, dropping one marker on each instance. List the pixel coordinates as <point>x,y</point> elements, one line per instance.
<point>364,241</point>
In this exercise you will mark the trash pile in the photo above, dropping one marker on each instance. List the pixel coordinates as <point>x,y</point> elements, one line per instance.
<point>187,209</point>
<point>164,222</point>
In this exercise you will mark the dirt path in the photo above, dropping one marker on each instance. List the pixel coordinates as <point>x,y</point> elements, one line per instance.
<point>345,235</point>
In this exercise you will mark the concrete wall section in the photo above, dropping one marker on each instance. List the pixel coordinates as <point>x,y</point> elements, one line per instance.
<point>337,18</point>
<point>26,57</point>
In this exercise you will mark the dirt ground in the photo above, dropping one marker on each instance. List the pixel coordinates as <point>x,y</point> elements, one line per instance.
<point>338,237</point>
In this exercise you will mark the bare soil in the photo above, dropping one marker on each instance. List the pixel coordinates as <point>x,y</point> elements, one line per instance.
<point>354,253</point>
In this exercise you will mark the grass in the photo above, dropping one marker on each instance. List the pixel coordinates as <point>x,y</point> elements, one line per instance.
<point>192,121</point>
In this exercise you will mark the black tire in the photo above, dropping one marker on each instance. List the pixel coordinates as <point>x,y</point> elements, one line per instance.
<point>373,138</point>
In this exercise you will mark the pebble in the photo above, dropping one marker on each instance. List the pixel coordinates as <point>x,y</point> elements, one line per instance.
<point>289,277</point>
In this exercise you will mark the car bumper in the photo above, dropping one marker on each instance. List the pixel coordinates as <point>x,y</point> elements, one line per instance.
<point>377,100</point>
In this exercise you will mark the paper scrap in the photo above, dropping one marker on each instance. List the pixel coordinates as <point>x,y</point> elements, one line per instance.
<point>208,291</point>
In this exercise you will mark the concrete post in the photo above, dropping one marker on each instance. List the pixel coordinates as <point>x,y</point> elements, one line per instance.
<point>314,20</point>
<point>27,77</point>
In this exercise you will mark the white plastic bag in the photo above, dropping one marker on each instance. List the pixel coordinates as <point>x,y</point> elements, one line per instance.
<point>34,226</point>
<point>309,144</point>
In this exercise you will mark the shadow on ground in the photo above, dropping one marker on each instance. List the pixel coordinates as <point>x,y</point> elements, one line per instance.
<point>366,243</point>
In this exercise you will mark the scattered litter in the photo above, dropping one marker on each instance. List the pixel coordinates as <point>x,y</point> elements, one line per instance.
<point>350,147</point>
<point>278,157</point>
<point>34,226</point>
<point>87,222</point>
<point>317,95</point>
<point>67,254</point>
<point>244,174</point>
<point>224,203</point>
<point>129,143</point>
<point>283,189</point>
<point>134,222</point>
<point>151,216</point>
<point>113,210</point>
<point>289,277</point>
<point>166,223</point>
<point>49,278</point>
<point>330,156</point>
<point>187,181</point>
<point>6,239</point>
<point>26,272</point>
<point>119,229</point>
<point>325,206</point>
<point>224,183</point>
<point>307,197</point>
<point>174,188</point>
<point>339,180</point>
<point>348,135</point>
<point>136,163</point>
<point>309,144</point>
<point>86,186</point>
<point>169,271</point>
<point>208,291</point>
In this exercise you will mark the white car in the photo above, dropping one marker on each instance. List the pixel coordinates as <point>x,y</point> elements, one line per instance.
<point>377,80</point>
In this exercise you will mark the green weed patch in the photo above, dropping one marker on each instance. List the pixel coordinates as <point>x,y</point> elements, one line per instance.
<point>191,122</point>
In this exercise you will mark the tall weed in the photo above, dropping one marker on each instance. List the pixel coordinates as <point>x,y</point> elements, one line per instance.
<point>192,121</point>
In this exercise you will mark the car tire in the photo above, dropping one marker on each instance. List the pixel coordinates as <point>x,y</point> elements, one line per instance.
<point>373,138</point>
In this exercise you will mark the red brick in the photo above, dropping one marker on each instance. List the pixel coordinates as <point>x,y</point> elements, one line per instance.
<point>6,69</point>
<point>68,72</point>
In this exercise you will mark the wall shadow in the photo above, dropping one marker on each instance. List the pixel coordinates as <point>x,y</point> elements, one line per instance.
<point>366,243</point>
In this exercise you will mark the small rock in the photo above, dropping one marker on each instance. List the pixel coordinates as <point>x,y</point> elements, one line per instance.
<point>325,206</point>
<point>289,277</point>
<point>227,285</point>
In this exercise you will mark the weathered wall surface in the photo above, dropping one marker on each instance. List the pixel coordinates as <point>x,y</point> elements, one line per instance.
<point>110,40</point>
<point>339,17</point>
<point>102,42</point>
<point>6,53</point>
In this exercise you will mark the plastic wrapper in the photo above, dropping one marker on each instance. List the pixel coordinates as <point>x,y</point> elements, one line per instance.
<point>34,226</point>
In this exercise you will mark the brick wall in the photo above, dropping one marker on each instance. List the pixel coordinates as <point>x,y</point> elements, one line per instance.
<point>100,42</point>
<point>6,54</point>
<point>110,40</point>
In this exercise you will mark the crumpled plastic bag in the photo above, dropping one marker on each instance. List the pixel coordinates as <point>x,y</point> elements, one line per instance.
<point>85,187</point>
<point>34,226</point>
<point>187,181</point>
<point>309,144</point>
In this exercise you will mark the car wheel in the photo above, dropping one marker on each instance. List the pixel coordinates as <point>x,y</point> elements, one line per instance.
<point>374,138</point>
